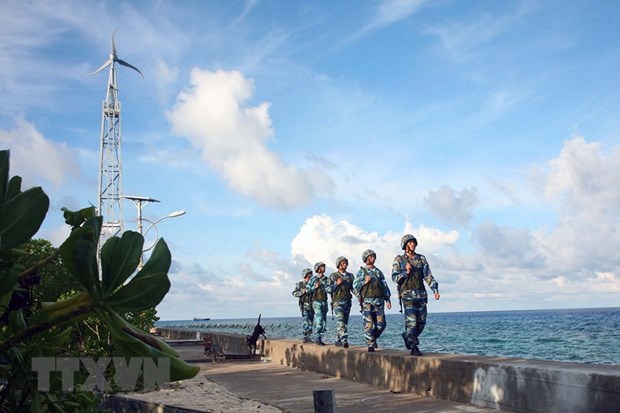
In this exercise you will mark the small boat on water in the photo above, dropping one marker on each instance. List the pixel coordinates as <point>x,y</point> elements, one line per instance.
<point>201,319</point>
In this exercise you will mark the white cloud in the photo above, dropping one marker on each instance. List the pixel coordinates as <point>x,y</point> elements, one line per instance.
<point>464,39</point>
<point>506,247</point>
<point>197,291</point>
<point>451,207</point>
<point>585,185</point>
<point>387,12</point>
<point>322,239</point>
<point>215,115</point>
<point>583,177</point>
<point>390,11</point>
<point>37,159</point>
<point>165,78</point>
<point>581,243</point>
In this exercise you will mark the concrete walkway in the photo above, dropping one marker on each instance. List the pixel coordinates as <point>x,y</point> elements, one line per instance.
<point>291,389</point>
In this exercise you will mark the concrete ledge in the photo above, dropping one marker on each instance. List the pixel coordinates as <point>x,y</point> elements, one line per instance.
<point>520,385</point>
<point>230,343</point>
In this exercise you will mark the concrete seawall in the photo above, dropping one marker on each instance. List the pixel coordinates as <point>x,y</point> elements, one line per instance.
<point>520,385</point>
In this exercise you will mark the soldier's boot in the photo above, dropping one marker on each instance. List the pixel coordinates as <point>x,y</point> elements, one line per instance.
<point>345,344</point>
<point>371,349</point>
<point>338,343</point>
<point>319,342</point>
<point>415,351</point>
<point>307,340</point>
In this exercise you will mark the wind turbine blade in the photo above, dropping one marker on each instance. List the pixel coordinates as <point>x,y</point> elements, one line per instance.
<point>113,45</point>
<point>124,63</point>
<point>103,66</point>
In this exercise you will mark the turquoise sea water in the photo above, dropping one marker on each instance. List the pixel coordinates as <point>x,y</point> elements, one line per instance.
<point>575,335</point>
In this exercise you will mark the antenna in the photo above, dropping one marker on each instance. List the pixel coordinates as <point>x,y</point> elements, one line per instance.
<point>110,162</point>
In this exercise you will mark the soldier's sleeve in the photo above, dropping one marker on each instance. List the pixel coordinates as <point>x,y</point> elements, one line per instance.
<point>310,285</point>
<point>386,289</point>
<point>397,269</point>
<point>349,278</point>
<point>428,276</point>
<point>358,281</point>
<point>297,291</point>
<point>329,285</point>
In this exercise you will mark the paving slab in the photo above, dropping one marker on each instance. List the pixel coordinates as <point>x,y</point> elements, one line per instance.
<point>291,389</point>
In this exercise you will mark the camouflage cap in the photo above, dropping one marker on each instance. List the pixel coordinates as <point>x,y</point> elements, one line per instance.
<point>340,259</point>
<point>367,254</point>
<point>318,265</point>
<point>405,239</point>
<point>306,272</point>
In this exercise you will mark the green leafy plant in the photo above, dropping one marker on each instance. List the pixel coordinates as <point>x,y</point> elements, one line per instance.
<point>106,295</point>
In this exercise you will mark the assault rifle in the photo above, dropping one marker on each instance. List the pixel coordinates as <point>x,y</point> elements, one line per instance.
<point>360,297</point>
<point>400,283</point>
<point>301,301</point>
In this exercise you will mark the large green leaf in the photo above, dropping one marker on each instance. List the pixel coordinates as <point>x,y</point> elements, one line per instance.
<point>119,259</point>
<point>22,216</point>
<point>128,344</point>
<point>159,261</point>
<point>14,188</point>
<point>4,174</point>
<point>140,293</point>
<point>79,255</point>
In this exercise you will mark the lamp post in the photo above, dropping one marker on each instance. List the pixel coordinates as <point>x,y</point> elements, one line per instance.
<point>139,201</point>
<point>153,225</point>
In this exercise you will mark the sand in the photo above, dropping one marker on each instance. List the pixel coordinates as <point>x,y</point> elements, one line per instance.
<point>200,393</point>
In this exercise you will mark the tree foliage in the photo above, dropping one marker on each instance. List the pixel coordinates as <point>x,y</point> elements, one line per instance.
<point>28,331</point>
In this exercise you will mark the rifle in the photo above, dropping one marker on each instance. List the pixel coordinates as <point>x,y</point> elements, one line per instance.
<point>332,296</point>
<point>361,295</point>
<point>402,281</point>
<point>399,284</point>
<point>300,302</point>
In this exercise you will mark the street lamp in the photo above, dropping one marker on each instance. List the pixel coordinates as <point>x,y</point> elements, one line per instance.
<point>138,202</point>
<point>153,225</point>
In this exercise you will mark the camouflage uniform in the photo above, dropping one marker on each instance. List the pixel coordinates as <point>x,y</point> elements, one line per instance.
<point>319,301</point>
<point>373,296</point>
<point>341,302</point>
<point>413,294</point>
<point>305,305</point>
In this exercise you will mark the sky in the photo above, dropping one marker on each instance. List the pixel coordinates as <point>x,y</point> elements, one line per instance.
<point>294,132</point>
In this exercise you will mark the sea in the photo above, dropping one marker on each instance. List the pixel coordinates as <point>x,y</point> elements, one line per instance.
<point>572,335</point>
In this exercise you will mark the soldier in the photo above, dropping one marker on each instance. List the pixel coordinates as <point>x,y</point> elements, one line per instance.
<point>341,287</point>
<point>318,286</point>
<point>409,271</point>
<point>305,304</point>
<point>373,292</point>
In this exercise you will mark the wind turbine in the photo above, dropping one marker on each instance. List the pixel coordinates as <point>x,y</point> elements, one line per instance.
<point>110,161</point>
<point>114,59</point>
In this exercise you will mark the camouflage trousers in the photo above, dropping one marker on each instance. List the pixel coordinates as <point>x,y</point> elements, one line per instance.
<point>342,309</point>
<point>415,320</point>
<point>308,316</point>
<point>320,315</point>
<point>374,319</point>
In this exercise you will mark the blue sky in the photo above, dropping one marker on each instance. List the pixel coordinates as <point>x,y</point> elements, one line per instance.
<point>297,131</point>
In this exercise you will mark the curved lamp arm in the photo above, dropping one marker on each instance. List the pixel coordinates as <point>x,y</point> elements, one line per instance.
<point>154,225</point>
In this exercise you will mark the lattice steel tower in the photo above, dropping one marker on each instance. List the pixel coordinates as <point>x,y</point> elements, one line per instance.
<point>110,162</point>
